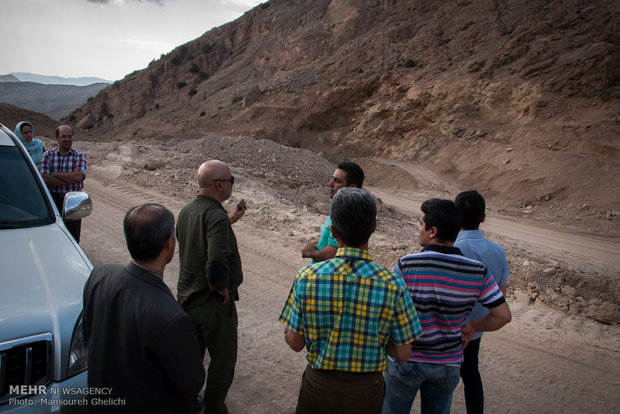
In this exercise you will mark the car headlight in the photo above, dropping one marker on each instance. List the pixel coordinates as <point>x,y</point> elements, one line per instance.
<point>78,358</point>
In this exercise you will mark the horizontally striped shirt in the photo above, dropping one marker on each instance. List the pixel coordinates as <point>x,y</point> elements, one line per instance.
<point>53,161</point>
<point>347,308</point>
<point>444,286</point>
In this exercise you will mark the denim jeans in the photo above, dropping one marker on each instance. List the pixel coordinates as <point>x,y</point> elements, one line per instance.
<point>436,383</point>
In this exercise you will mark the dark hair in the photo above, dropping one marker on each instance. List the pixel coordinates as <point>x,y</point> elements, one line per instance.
<point>147,228</point>
<point>354,213</point>
<point>443,215</point>
<point>472,207</point>
<point>25,123</point>
<point>355,174</point>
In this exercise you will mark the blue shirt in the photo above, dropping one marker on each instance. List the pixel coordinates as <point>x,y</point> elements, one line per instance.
<point>326,238</point>
<point>474,245</point>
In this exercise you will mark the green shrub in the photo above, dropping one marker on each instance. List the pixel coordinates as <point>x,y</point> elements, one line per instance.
<point>410,63</point>
<point>236,99</point>
<point>203,75</point>
<point>194,68</point>
<point>192,92</point>
<point>476,66</point>
<point>202,113</point>
<point>176,60</point>
<point>611,90</point>
<point>181,84</point>
<point>207,47</point>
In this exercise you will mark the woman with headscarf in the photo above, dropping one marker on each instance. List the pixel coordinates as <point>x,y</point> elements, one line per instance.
<point>25,132</point>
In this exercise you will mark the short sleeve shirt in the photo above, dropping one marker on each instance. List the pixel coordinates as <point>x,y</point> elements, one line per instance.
<point>444,286</point>
<point>474,245</point>
<point>347,308</point>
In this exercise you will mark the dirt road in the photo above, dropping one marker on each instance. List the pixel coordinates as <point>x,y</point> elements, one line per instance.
<point>543,362</point>
<point>597,250</point>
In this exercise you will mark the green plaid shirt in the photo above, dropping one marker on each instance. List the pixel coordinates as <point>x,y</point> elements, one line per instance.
<point>347,308</point>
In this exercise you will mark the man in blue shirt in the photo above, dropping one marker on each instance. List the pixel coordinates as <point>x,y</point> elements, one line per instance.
<point>474,245</point>
<point>348,174</point>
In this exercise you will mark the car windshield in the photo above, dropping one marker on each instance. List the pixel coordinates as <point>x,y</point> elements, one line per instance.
<point>22,202</point>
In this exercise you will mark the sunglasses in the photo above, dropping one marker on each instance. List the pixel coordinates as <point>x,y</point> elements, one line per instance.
<point>231,179</point>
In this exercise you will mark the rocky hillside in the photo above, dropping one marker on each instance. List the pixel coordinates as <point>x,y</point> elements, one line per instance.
<point>44,126</point>
<point>517,98</point>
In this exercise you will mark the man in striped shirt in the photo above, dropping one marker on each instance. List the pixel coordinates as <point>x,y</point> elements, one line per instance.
<point>349,313</point>
<point>444,286</point>
<point>64,169</point>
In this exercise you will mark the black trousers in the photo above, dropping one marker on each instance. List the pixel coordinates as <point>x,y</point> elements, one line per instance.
<point>339,392</point>
<point>472,383</point>
<point>75,226</point>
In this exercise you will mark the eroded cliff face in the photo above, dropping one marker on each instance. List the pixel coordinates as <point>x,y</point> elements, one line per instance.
<point>517,98</point>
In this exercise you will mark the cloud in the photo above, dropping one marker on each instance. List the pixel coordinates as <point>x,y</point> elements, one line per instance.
<point>160,2</point>
<point>146,44</point>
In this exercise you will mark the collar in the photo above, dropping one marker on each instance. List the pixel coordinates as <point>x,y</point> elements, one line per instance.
<point>211,199</point>
<point>155,272</point>
<point>70,152</point>
<point>442,249</point>
<point>148,275</point>
<point>353,253</point>
<point>469,234</point>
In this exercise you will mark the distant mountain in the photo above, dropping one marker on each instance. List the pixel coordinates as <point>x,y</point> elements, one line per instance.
<point>8,78</point>
<point>56,80</point>
<point>55,101</point>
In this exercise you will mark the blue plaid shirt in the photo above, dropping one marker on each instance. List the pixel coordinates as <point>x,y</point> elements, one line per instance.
<point>347,308</point>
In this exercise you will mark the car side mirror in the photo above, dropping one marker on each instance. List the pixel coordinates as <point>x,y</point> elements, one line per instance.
<point>77,205</point>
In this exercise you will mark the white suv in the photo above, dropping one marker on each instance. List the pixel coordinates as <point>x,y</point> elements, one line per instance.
<point>42,275</point>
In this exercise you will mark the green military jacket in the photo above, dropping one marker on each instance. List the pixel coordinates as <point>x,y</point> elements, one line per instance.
<point>208,254</point>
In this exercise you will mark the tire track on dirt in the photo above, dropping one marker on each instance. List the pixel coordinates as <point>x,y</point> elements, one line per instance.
<point>524,365</point>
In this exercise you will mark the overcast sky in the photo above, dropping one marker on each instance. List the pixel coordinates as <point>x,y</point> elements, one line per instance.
<point>103,38</point>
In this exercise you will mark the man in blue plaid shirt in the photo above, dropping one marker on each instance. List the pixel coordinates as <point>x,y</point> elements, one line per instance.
<point>64,169</point>
<point>349,313</point>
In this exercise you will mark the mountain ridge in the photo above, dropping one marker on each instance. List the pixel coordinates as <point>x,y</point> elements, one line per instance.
<point>56,80</point>
<point>517,98</point>
<point>55,101</point>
